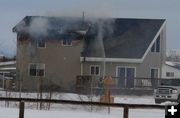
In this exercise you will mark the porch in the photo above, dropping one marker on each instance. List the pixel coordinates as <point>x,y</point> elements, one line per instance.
<point>126,86</point>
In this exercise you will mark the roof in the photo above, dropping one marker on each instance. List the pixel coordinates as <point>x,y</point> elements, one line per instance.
<point>123,38</point>
<point>7,63</point>
<point>175,65</point>
<point>111,38</point>
<point>56,28</point>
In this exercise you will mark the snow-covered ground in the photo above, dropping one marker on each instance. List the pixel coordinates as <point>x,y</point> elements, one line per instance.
<point>115,113</point>
<point>76,111</point>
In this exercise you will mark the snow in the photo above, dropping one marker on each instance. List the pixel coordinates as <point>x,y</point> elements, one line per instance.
<point>7,63</point>
<point>77,111</point>
<point>10,68</point>
<point>170,63</point>
<point>115,113</point>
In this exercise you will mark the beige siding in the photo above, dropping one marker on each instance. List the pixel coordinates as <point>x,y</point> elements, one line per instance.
<point>62,63</point>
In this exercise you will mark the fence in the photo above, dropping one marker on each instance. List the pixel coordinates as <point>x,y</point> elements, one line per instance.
<point>89,85</point>
<point>126,107</point>
<point>84,84</point>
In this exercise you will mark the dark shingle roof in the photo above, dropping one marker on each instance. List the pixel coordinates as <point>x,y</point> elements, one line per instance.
<point>56,28</point>
<point>130,38</point>
<point>120,37</point>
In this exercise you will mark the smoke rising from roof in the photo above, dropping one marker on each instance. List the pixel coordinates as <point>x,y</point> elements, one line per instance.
<point>39,27</point>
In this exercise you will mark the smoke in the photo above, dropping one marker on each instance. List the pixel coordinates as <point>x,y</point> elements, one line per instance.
<point>104,30</point>
<point>39,27</point>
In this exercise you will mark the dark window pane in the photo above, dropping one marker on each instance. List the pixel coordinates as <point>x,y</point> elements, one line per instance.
<point>32,72</point>
<point>41,43</point>
<point>36,69</point>
<point>130,72</point>
<point>40,72</point>
<point>64,42</point>
<point>121,72</point>
<point>153,48</point>
<point>158,44</point>
<point>169,74</point>
<point>97,70</point>
<point>67,42</point>
<point>92,70</point>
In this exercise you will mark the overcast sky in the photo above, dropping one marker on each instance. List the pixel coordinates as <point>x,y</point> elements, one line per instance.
<point>12,11</point>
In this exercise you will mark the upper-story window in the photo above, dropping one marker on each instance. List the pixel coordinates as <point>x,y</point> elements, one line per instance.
<point>156,45</point>
<point>36,69</point>
<point>66,43</point>
<point>41,43</point>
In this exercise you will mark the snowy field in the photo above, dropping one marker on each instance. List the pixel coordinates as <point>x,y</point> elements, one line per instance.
<point>115,113</point>
<point>76,111</point>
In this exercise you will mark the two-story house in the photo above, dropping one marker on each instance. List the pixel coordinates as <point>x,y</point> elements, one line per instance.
<point>58,49</point>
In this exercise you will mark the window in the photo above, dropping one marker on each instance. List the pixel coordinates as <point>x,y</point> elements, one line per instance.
<point>95,70</point>
<point>156,45</point>
<point>41,43</point>
<point>128,72</point>
<point>67,43</point>
<point>154,73</point>
<point>37,69</point>
<point>169,74</point>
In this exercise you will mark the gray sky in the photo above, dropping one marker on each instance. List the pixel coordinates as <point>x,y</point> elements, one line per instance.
<point>12,11</point>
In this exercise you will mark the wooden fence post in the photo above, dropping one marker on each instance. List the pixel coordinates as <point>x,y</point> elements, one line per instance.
<point>21,109</point>
<point>126,112</point>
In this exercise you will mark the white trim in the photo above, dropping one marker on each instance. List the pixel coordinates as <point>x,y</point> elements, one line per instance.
<point>36,75</point>
<point>153,41</point>
<point>99,59</point>
<point>125,69</point>
<point>95,66</point>
<point>82,71</point>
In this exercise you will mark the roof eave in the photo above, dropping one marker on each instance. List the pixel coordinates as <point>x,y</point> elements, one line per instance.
<point>100,59</point>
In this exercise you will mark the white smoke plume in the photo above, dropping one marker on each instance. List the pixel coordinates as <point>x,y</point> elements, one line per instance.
<point>39,27</point>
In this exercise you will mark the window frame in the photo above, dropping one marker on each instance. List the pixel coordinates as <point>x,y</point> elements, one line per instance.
<point>36,70</point>
<point>154,47</point>
<point>95,70</point>
<point>38,46</point>
<point>125,67</point>
<point>155,68</point>
<point>171,74</point>
<point>62,43</point>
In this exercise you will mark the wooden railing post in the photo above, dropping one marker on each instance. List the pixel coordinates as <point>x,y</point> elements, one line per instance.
<point>21,109</point>
<point>126,112</point>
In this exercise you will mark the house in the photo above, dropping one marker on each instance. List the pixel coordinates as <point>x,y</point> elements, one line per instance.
<point>171,70</point>
<point>58,49</point>
<point>7,73</point>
